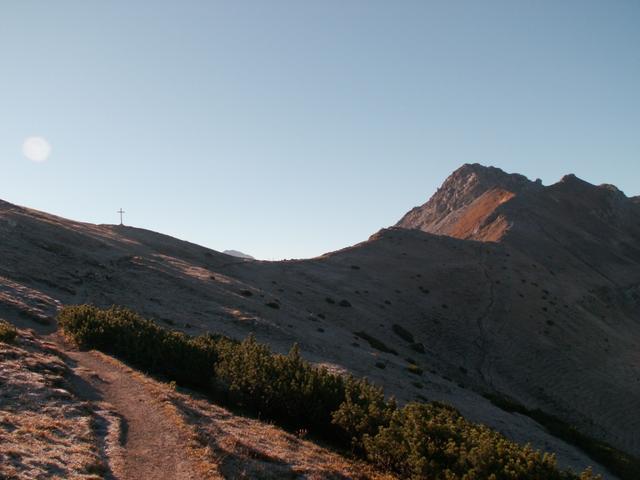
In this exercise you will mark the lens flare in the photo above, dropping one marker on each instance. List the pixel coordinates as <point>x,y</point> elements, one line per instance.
<point>36,149</point>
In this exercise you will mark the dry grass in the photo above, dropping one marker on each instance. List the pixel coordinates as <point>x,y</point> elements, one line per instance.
<point>161,394</point>
<point>247,448</point>
<point>45,431</point>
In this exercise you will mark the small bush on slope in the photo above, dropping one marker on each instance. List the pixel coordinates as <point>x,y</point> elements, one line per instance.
<point>362,412</point>
<point>7,332</point>
<point>375,343</point>
<point>620,463</point>
<point>416,441</point>
<point>403,333</point>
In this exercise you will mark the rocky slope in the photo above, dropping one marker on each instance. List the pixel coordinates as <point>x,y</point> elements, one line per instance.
<point>497,285</point>
<point>577,245</point>
<point>464,206</point>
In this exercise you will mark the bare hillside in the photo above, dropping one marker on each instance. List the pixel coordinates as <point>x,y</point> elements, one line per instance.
<point>497,285</point>
<point>46,430</point>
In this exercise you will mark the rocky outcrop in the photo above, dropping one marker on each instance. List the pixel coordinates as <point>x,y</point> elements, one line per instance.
<point>463,206</point>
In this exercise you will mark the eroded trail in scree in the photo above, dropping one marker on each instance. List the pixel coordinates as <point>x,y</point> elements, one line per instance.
<point>152,446</point>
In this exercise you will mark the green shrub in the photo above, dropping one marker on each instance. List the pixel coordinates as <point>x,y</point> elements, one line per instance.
<point>125,334</point>
<point>433,441</point>
<point>8,332</point>
<point>623,465</point>
<point>280,387</point>
<point>418,441</point>
<point>363,411</point>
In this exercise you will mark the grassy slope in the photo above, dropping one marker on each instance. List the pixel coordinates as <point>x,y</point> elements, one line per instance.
<point>45,430</point>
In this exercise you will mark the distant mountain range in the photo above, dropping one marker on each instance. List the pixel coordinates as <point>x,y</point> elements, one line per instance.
<point>236,253</point>
<point>505,293</point>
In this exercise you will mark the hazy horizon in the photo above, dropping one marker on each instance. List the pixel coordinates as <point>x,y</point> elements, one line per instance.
<point>292,129</point>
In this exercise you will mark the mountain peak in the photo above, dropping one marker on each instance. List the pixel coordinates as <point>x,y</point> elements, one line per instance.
<point>572,180</point>
<point>465,200</point>
<point>486,177</point>
<point>483,203</point>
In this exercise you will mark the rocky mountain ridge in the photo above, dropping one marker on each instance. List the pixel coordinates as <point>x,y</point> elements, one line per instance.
<point>484,203</point>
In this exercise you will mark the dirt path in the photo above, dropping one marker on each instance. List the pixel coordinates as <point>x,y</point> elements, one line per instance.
<point>153,446</point>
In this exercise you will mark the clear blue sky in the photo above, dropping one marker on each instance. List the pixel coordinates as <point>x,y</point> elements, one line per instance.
<point>288,129</point>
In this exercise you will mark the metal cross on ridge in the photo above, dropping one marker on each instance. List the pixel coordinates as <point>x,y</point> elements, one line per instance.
<point>120,212</point>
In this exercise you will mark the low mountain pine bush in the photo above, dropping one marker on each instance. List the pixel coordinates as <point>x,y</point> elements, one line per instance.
<point>419,440</point>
